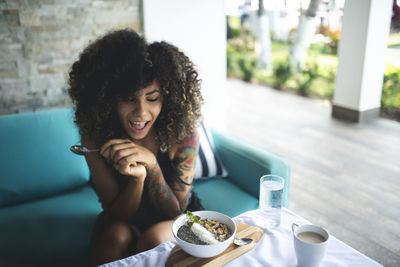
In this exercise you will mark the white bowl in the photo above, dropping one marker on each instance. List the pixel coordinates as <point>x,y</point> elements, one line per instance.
<point>205,251</point>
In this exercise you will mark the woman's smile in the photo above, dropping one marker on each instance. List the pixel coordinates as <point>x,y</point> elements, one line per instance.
<point>138,126</point>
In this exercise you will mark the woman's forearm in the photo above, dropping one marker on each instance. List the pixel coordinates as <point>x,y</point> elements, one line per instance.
<point>162,195</point>
<point>128,201</point>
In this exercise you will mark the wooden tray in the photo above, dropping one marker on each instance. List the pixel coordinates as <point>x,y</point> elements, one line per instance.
<point>179,258</point>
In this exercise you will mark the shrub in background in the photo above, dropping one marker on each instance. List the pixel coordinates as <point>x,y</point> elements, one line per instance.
<point>390,100</point>
<point>282,72</point>
<point>247,65</point>
<point>241,59</point>
<point>306,77</point>
<point>391,87</point>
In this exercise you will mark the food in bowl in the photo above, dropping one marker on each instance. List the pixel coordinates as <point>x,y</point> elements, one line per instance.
<point>203,232</point>
<point>205,250</point>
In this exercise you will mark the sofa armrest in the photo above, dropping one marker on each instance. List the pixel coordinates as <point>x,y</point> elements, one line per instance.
<point>246,163</point>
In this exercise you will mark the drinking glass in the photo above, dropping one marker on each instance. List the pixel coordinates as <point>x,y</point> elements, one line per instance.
<point>271,191</point>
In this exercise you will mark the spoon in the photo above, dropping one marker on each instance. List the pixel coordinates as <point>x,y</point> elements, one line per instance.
<point>81,150</point>
<point>242,241</point>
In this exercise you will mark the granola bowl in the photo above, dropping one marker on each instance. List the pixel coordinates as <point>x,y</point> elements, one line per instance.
<point>207,250</point>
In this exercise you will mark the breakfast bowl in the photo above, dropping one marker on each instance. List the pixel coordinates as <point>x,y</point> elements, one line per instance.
<point>208,250</point>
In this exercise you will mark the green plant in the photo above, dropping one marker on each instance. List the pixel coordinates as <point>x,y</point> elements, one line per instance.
<point>230,60</point>
<point>282,72</point>
<point>390,100</point>
<point>391,88</point>
<point>240,64</point>
<point>241,57</point>
<point>306,77</point>
<point>247,66</point>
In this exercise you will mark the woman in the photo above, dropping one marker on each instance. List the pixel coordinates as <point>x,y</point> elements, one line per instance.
<point>140,104</point>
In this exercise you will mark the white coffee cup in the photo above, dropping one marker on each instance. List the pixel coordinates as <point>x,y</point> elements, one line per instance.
<point>309,244</point>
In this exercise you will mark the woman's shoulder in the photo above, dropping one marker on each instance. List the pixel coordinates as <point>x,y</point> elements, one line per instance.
<point>191,141</point>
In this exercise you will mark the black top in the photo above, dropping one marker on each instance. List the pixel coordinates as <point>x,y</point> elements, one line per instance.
<point>147,214</point>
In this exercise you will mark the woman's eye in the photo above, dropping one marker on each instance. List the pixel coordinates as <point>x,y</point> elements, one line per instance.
<point>152,99</point>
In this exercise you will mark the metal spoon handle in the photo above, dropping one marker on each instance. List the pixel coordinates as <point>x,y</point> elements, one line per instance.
<point>92,150</point>
<point>242,241</point>
<point>81,150</point>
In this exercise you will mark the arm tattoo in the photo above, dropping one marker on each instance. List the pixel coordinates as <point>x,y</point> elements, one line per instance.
<point>185,161</point>
<point>161,194</point>
<point>183,164</point>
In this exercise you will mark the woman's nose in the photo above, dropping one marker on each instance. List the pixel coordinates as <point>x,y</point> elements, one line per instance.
<point>140,108</point>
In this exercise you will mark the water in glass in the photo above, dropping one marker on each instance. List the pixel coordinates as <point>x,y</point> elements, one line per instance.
<point>271,201</point>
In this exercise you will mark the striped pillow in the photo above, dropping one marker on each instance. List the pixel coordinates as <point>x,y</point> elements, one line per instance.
<point>208,163</point>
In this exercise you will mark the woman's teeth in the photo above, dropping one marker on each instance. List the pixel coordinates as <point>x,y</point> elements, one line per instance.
<point>138,125</point>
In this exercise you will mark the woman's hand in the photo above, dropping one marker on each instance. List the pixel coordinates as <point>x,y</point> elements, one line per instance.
<point>128,158</point>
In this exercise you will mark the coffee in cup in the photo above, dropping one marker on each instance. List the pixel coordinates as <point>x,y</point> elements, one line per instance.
<point>309,244</point>
<point>311,237</point>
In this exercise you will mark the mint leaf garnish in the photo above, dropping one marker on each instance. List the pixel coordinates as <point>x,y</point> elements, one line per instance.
<point>192,219</point>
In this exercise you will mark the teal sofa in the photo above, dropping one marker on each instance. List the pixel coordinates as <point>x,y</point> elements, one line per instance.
<point>48,209</point>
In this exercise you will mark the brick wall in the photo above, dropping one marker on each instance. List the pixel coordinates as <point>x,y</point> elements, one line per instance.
<point>40,39</point>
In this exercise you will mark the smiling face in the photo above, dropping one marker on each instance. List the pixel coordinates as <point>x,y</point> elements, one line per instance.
<point>139,112</point>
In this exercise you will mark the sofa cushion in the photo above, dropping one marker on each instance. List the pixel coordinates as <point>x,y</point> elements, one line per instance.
<point>224,196</point>
<point>246,164</point>
<point>35,160</point>
<point>208,164</point>
<point>58,227</point>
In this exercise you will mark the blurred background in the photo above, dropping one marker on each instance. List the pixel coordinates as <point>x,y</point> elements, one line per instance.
<point>316,81</point>
<point>277,62</point>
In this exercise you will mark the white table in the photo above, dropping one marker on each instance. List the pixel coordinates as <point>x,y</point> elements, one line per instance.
<point>275,248</point>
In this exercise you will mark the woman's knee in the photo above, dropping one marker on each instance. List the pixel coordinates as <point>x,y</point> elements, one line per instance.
<point>113,240</point>
<point>155,235</point>
<point>114,233</point>
<point>118,233</point>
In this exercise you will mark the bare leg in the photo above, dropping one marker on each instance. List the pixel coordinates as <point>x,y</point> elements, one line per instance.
<point>114,240</point>
<point>155,235</point>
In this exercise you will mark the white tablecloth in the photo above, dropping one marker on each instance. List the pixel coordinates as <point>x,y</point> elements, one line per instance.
<point>275,248</point>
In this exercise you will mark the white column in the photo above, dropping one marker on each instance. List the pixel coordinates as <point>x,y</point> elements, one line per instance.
<point>358,86</point>
<point>198,28</point>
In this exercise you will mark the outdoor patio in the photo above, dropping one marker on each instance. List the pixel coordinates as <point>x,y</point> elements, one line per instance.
<point>344,176</point>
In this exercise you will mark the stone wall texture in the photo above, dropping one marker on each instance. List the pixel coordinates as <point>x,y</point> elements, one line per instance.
<point>40,39</point>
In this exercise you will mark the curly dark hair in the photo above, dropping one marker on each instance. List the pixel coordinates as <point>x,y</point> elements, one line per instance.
<point>118,65</point>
